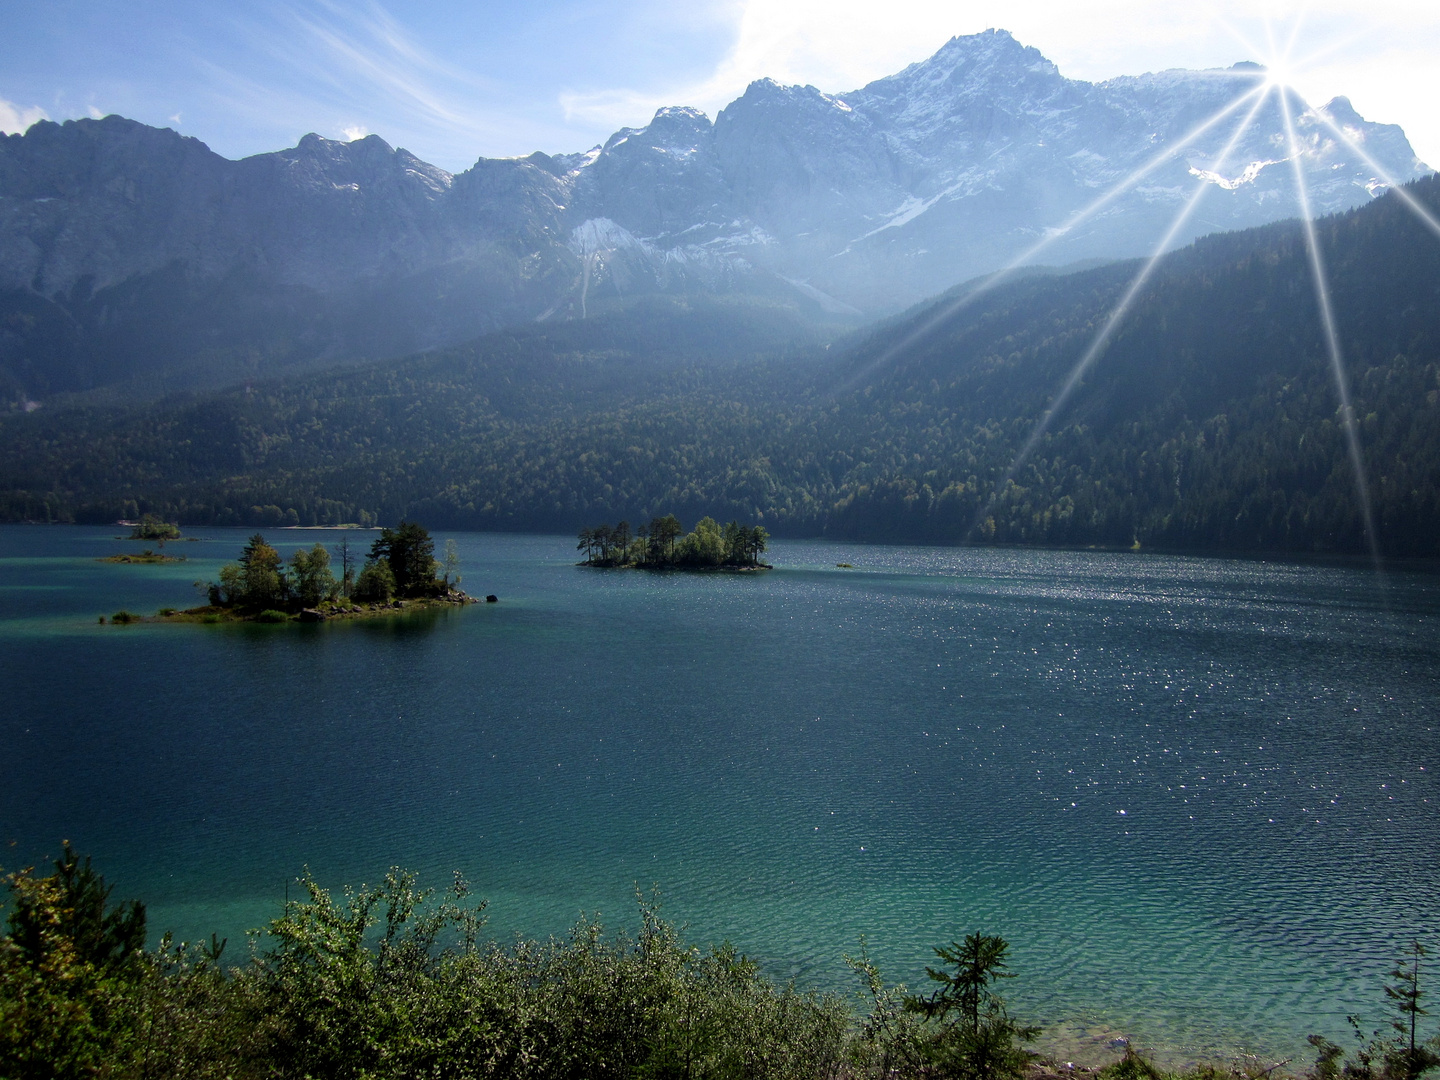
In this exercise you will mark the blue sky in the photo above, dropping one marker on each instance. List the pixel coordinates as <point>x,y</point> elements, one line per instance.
<point>455,81</point>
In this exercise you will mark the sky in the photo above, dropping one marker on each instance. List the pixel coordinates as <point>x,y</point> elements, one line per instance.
<point>454,81</point>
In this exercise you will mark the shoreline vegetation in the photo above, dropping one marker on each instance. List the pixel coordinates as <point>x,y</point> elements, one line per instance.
<point>400,574</point>
<point>662,544</point>
<point>393,981</point>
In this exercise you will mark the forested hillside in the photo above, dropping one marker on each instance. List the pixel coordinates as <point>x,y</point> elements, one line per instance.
<point>1209,422</point>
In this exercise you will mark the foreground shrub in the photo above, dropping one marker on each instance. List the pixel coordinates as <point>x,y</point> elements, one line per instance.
<point>392,981</point>
<point>387,981</point>
<point>67,963</point>
<point>424,997</point>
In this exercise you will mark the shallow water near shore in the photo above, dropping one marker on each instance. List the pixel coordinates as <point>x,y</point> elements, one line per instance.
<point>1196,795</point>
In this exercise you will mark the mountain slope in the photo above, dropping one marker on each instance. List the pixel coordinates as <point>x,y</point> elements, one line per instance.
<point>1210,421</point>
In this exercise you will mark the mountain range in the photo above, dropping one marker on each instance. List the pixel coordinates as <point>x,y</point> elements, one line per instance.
<point>1211,421</point>
<point>136,262</point>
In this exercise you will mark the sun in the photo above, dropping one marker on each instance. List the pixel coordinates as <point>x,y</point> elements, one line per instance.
<point>1278,75</point>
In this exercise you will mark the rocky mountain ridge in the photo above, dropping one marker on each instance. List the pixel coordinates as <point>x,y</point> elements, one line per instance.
<point>135,258</point>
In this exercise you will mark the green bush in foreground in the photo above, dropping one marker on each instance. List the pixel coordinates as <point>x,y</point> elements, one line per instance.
<point>68,962</point>
<point>392,981</point>
<point>389,981</point>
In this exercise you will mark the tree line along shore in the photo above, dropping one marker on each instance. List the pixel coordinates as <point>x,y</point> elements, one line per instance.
<point>394,981</point>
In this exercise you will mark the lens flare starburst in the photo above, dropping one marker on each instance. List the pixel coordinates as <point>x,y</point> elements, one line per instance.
<point>1273,79</point>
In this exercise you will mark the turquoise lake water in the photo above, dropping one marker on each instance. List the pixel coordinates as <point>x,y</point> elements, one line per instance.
<point>1197,795</point>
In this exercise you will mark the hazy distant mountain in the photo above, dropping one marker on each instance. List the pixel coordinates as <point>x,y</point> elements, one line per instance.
<point>1210,421</point>
<point>132,257</point>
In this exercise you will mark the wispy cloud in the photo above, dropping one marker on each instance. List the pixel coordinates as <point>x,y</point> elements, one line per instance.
<point>15,119</point>
<point>621,108</point>
<point>368,45</point>
<point>354,61</point>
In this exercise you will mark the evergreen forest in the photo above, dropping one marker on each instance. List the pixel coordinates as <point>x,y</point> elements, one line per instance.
<point>1210,422</point>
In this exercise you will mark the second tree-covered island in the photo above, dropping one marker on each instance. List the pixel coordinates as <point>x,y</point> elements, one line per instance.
<point>662,544</point>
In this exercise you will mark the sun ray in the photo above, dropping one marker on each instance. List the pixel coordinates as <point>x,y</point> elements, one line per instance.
<point>1274,50</point>
<point>1280,64</point>
<point>1117,316</point>
<point>1234,31</point>
<point>1279,68</point>
<point>1227,74</point>
<point>1332,336</point>
<point>1244,41</point>
<point>1294,38</point>
<point>1329,49</point>
<point>1079,217</point>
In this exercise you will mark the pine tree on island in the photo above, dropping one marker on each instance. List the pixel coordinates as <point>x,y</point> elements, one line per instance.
<point>409,553</point>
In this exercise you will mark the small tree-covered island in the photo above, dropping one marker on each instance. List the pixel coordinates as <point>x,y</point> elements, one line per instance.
<point>660,545</point>
<point>153,528</point>
<point>401,573</point>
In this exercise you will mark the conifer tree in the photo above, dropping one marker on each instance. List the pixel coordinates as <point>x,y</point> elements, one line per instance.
<point>73,915</point>
<point>410,553</point>
<point>1404,995</point>
<point>981,1043</point>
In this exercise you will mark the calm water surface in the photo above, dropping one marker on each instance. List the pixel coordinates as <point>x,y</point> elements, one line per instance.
<point>1197,795</point>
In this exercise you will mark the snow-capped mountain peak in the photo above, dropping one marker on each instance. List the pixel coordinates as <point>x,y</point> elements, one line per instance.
<point>870,199</point>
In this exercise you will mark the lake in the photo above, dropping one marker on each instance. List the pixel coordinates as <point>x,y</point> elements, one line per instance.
<point>1197,795</point>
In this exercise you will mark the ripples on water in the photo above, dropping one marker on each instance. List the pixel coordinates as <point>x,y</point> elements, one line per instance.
<point>1195,794</point>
